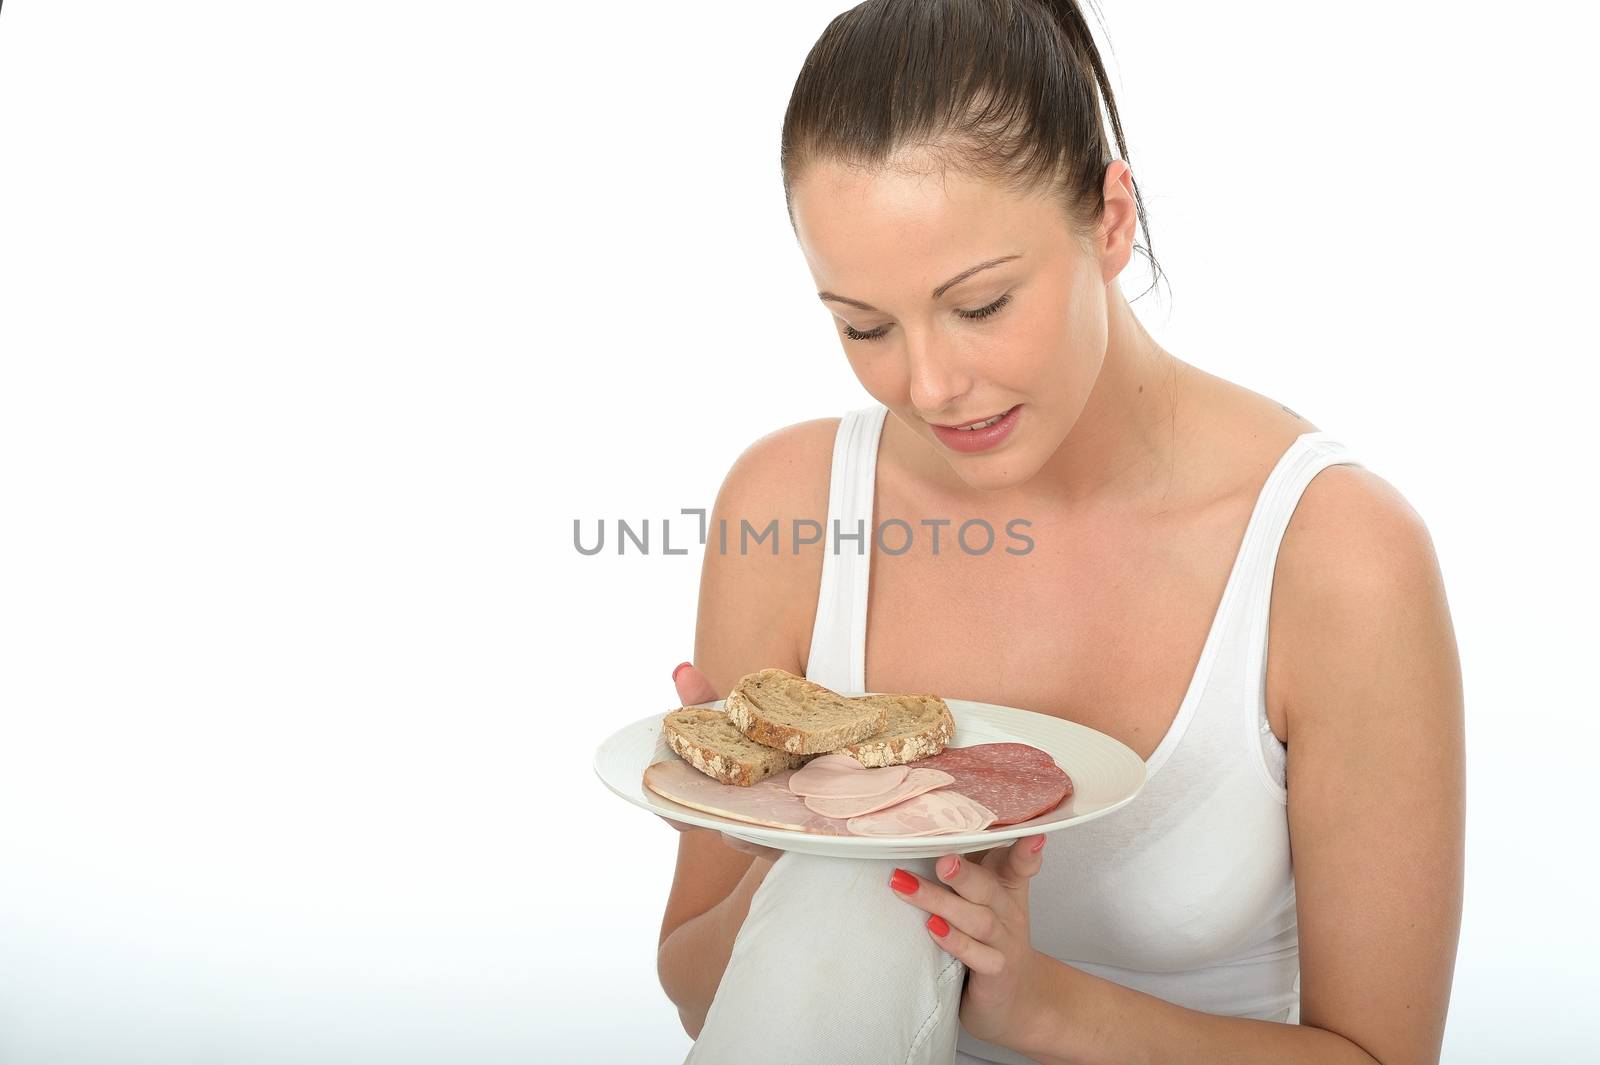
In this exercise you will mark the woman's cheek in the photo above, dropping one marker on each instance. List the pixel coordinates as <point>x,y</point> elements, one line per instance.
<point>883,378</point>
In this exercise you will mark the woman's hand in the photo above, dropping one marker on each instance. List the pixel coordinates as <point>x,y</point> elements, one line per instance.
<point>693,689</point>
<point>981,917</point>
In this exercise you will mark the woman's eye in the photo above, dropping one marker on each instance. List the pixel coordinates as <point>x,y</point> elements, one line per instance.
<point>980,313</point>
<point>873,335</point>
<point>984,312</point>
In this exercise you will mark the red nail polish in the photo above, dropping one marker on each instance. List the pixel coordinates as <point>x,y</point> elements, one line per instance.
<point>1037,846</point>
<point>681,667</point>
<point>950,866</point>
<point>903,882</point>
<point>938,926</point>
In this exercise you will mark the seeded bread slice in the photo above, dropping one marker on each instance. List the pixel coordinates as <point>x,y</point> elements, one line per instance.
<point>776,708</point>
<point>707,740</point>
<point>919,726</point>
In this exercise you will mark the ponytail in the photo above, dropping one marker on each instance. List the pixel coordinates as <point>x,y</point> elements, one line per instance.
<point>1008,90</point>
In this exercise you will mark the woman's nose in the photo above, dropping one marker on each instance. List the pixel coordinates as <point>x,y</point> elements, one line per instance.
<point>936,373</point>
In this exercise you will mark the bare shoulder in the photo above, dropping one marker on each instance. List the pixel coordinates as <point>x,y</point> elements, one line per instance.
<point>1354,545</point>
<point>1349,522</point>
<point>758,584</point>
<point>781,477</point>
<point>1352,533</point>
<point>787,467</point>
<point>1355,557</point>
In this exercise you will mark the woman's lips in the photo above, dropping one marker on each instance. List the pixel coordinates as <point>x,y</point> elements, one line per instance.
<point>970,440</point>
<point>964,425</point>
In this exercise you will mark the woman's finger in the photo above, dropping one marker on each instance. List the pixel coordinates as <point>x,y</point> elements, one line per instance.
<point>980,957</point>
<point>693,687</point>
<point>1014,865</point>
<point>979,920</point>
<point>974,881</point>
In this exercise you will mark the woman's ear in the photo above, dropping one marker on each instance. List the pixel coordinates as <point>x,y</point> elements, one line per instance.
<point>1118,223</point>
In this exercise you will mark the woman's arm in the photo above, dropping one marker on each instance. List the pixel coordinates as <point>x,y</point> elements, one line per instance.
<point>1377,813</point>
<point>692,959</point>
<point>757,605</point>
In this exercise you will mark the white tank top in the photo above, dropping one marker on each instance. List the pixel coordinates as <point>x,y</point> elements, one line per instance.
<point>1187,892</point>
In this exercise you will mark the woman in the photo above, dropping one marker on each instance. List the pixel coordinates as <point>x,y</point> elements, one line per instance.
<point>955,195</point>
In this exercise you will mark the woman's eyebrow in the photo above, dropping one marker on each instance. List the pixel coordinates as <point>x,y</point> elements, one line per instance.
<point>962,276</point>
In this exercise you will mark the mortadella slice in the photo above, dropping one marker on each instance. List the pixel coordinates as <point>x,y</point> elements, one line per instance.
<point>916,782</point>
<point>934,813</point>
<point>838,776</point>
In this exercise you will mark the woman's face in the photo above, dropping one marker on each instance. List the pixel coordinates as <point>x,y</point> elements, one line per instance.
<point>1030,329</point>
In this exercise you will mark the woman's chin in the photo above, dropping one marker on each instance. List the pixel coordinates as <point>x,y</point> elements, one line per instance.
<point>994,473</point>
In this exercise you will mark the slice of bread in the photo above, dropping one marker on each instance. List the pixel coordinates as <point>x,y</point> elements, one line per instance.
<point>778,709</point>
<point>707,740</point>
<point>919,726</point>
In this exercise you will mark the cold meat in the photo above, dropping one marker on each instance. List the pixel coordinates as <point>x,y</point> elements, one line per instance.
<point>838,776</point>
<point>917,781</point>
<point>1014,780</point>
<point>766,802</point>
<point>932,813</point>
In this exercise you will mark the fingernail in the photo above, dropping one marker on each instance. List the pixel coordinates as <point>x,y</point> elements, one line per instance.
<point>903,882</point>
<point>938,925</point>
<point>1037,847</point>
<point>681,667</point>
<point>949,866</point>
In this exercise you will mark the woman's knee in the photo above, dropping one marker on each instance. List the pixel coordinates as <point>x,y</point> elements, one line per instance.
<point>848,902</point>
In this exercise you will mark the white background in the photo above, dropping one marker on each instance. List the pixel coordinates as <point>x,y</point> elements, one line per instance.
<point>322,321</point>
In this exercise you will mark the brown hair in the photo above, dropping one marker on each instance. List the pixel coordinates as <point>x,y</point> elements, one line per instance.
<point>999,89</point>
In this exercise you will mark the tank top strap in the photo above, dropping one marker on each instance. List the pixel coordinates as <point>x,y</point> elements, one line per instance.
<point>838,656</point>
<point>1316,453</point>
<point>1246,642</point>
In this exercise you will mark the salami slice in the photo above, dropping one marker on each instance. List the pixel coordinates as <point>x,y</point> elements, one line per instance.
<point>1015,780</point>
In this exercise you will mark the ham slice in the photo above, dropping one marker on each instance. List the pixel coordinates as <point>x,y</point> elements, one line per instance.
<point>933,813</point>
<point>916,782</point>
<point>766,802</point>
<point>838,776</point>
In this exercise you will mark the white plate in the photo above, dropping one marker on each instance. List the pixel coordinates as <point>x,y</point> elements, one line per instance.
<point>1105,772</point>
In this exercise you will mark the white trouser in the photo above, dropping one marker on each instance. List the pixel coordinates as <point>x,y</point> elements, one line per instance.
<point>832,967</point>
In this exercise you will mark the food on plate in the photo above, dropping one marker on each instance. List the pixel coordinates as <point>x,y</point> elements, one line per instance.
<point>768,802</point>
<point>788,753</point>
<point>1016,781</point>
<point>919,726</point>
<point>707,740</point>
<point>772,708</point>
<point>776,708</point>
<point>932,813</point>
<point>838,776</point>
<point>916,782</point>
